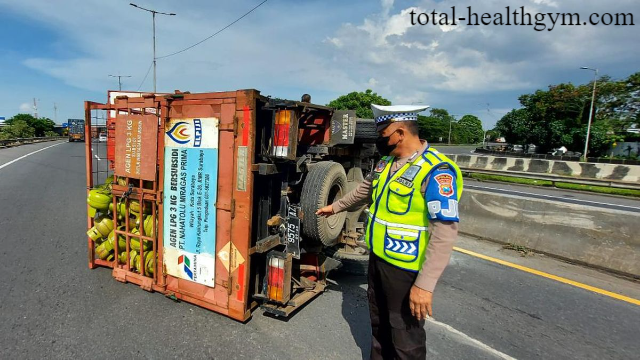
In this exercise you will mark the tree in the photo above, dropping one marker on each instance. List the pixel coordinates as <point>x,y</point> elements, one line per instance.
<point>516,126</point>
<point>469,130</point>
<point>39,125</point>
<point>360,102</point>
<point>435,127</point>
<point>17,129</point>
<point>559,115</point>
<point>619,102</point>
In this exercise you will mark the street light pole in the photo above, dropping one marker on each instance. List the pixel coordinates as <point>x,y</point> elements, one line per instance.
<point>593,97</point>
<point>153,16</point>
<point>119,81</point>
<point>451,121</point>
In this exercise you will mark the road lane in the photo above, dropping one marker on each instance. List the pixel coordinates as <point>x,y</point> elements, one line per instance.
<point>10,154</point>
<point>560,195</point>
<point>53,306</point>
<point>548,193</point>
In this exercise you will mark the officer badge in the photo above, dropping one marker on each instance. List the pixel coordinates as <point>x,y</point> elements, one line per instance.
<point>445,184</point>
<point>381,165</point>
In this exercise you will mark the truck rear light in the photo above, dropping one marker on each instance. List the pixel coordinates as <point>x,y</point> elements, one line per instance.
<point>279,277</point>
<point>281,133</point>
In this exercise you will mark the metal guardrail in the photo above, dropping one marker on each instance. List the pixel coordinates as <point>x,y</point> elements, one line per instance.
<point>22,141</point>
<point>556,178</point>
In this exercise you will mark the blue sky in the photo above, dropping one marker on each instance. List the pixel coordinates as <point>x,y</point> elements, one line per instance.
<point>63,51</point>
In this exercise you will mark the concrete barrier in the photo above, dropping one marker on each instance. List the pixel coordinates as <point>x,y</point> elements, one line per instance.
<point>603,238</point>
<point>625,173</point>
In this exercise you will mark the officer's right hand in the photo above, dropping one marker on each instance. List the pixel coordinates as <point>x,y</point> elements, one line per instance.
<point>325,211</point>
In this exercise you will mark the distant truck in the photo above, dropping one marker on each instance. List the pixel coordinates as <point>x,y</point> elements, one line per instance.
<point>76,130</point>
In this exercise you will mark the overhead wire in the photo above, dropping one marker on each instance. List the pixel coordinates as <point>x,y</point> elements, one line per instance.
<point>214,34</point>
<point>145,77</point>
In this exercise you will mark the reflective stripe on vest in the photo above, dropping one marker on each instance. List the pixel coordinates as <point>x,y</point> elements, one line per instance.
<point>398,217</point>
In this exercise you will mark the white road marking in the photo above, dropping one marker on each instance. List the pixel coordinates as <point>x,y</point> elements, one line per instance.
<point>551,196</point>
<point>97,157</point>
<point>29,154</point>
<point>476,342</point>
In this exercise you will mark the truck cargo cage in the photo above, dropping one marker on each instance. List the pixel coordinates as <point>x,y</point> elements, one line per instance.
<point>202,197</point>
<point>131,249</point>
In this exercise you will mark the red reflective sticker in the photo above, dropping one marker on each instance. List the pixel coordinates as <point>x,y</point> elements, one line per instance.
<point>240,293</point>
<point>245,129</point>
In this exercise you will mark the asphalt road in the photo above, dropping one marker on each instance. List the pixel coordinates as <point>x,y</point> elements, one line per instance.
<point>455,149</point>
<point>53,306</point>
<point>554,194</point>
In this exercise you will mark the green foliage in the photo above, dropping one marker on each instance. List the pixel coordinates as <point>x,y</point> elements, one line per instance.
<point>360,102</point>
<point>435,127</point>
<point>493,134</point>
<point>17,129</point>
<point>619,102</point>
<point>51,134</point>
<point>559,116</point>
<point>517,127</point>
<point>40,125</point>
<point>469,130</point>
<point>510,179</point>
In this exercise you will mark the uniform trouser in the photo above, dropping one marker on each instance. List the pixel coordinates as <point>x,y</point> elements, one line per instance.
<point>396,334</point>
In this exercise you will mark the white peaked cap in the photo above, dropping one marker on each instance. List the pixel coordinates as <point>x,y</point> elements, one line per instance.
<point>385,115</point>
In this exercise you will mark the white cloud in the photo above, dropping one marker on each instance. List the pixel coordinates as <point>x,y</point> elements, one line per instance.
<point>475,59</point>
<point>387,5</point>
<point>546,2</point>
<point>268,50</point>
<point>284,54</point>
<point>26,108</point>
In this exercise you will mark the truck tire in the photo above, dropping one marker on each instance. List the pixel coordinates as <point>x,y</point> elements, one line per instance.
<point>352,263</point>
<point>366,130</point>
<point>326,182</point>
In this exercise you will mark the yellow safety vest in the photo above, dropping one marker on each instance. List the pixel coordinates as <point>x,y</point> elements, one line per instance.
<point>398,217</point>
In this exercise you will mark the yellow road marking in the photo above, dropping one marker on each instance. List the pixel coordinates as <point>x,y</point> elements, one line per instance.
<point>550,276</point>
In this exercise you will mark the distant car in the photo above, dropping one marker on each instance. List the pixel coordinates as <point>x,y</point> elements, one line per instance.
<point>102,138</point>
<point>531,149</point>
<point>517,149</point>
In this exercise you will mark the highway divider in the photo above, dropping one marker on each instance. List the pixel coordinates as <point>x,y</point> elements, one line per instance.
<point>561,169</point>
<point>597,237</point>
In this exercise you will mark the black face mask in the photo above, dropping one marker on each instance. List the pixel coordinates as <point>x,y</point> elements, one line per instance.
<point>382,144</point>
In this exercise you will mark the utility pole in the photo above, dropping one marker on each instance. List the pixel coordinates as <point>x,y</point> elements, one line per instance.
<point>593,98</point>
<point>153,15</point>
<point>450,121</point>
<point>35,108</point>
<point>55,113</point>
<point>119,80</point>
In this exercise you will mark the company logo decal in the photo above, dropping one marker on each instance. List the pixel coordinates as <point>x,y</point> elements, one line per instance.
<point>180,133</point>
<point>187,265</point>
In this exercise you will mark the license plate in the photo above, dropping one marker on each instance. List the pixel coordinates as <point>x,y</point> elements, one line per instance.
<point>293,232</point>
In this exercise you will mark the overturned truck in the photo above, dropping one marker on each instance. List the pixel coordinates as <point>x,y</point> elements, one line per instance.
<point>211,198</point>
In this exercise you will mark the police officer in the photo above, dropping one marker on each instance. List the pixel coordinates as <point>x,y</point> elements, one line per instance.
<point>413,194</point>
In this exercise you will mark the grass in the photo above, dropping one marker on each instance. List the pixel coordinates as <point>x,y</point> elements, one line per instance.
<point>523,250</point>
<point>560,185</point>
<point>511,179</point>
